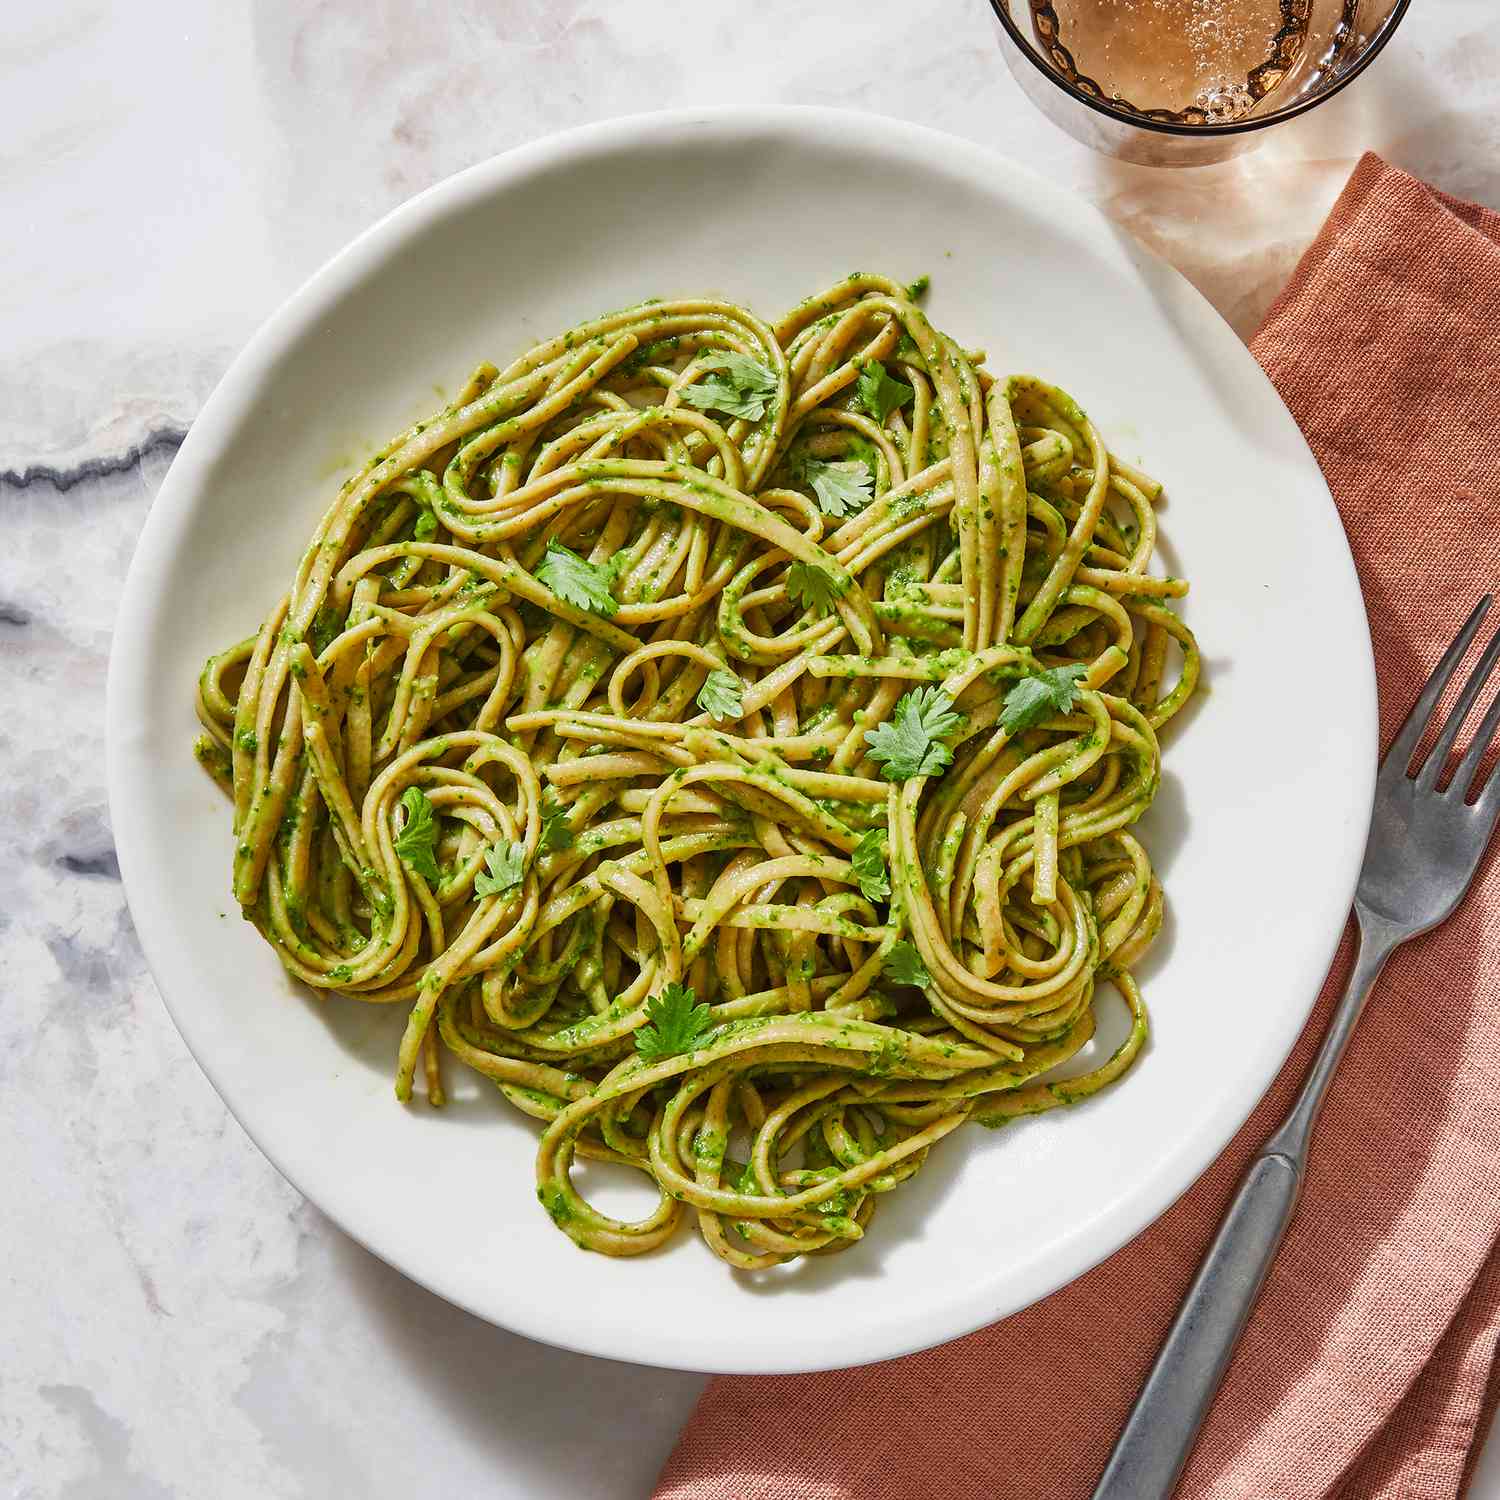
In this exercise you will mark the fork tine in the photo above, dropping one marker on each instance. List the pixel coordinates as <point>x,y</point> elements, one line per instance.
<point>1488,805</point>
<point>1433,768</point>
<point>1399,755</point>
<point>1468,767</point>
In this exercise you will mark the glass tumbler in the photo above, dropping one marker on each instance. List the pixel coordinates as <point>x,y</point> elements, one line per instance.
<point>1186,82</point>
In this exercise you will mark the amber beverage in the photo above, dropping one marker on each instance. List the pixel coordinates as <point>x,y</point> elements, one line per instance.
<point>1187,81</point>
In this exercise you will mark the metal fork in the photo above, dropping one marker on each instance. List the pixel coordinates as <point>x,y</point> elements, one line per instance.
<point>1423,849</point>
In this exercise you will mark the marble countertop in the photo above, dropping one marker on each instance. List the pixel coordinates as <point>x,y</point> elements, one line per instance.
<point>178,1321</point>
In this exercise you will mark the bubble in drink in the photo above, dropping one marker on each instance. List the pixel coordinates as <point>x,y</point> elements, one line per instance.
<point>1186,61</point>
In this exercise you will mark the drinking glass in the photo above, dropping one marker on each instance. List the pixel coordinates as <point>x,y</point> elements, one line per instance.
<point>1186,82</point>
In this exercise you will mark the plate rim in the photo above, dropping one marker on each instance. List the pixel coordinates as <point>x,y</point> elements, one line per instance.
<point>237,389</point>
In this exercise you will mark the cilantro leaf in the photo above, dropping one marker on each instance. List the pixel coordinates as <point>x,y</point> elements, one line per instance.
<point>416,844</point>
<point>878,393</point>
<point>1040,696</point>
<point>677,1024</point>
<point>505,868</point>
<point>722,696</point>
<point>910,743</point>
<point>426,527</point>
<point>811,586</point>
<point>869,864</point>
<point>745,392</point>
<point>578,582</point>
<point>840,487</point>
<point>903,965</point>
<point>557,832</point>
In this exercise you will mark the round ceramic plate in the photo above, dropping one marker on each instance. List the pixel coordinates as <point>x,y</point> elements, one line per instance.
<point>1272,769</point>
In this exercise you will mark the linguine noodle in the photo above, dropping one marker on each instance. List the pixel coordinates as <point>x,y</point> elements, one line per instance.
<point>724,737</point>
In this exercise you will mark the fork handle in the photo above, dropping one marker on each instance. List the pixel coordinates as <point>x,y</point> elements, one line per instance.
<point>1163,1425</point>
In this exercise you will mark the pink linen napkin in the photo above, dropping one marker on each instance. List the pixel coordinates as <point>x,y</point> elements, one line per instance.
<point>1369,1368</point>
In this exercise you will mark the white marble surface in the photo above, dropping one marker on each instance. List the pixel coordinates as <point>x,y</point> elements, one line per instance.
<point>176,1321</point>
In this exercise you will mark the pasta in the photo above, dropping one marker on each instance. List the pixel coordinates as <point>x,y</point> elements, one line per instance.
<point>724,737</point>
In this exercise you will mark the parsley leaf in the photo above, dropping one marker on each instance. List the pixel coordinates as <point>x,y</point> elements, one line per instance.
<point>577,581</point>
<point>677,1024</point>
<point>416,844</point>
<point>745,393</point>
<point>910,743</point>
<point>426,527</point>
<point>868,860</point>
<point>722,696</point>
<point>903,965</point>
<point>878,393</point>
<point>1040,696</point>
<point>557,832</point>
<point>811,586</point>
<point>840,487</point>
<point>505,868</point>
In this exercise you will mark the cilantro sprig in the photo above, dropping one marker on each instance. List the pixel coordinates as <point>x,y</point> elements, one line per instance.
<point>869,861</point>
<point>903,965</point>
<point>577,581</point>
<point>1040,696</point>
<point>722,696</point>
<point>910,743</point>
<point>811,586</point>
<point>841,487</point>
<point>416,844</point>
<point>505,868</point>
<point>879,393</point>
<point>557,832</point>
<point>744,389</point>
<point>677,1024</point>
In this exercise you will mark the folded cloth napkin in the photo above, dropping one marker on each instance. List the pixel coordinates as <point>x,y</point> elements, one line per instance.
<point>1369,1367</point>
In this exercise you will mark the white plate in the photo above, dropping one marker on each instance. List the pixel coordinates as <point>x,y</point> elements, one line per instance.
<point>1257,832</point>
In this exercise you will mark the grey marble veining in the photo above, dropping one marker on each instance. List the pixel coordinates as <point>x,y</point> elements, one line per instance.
<point>175,1320</point>
<point>178,1322</point>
